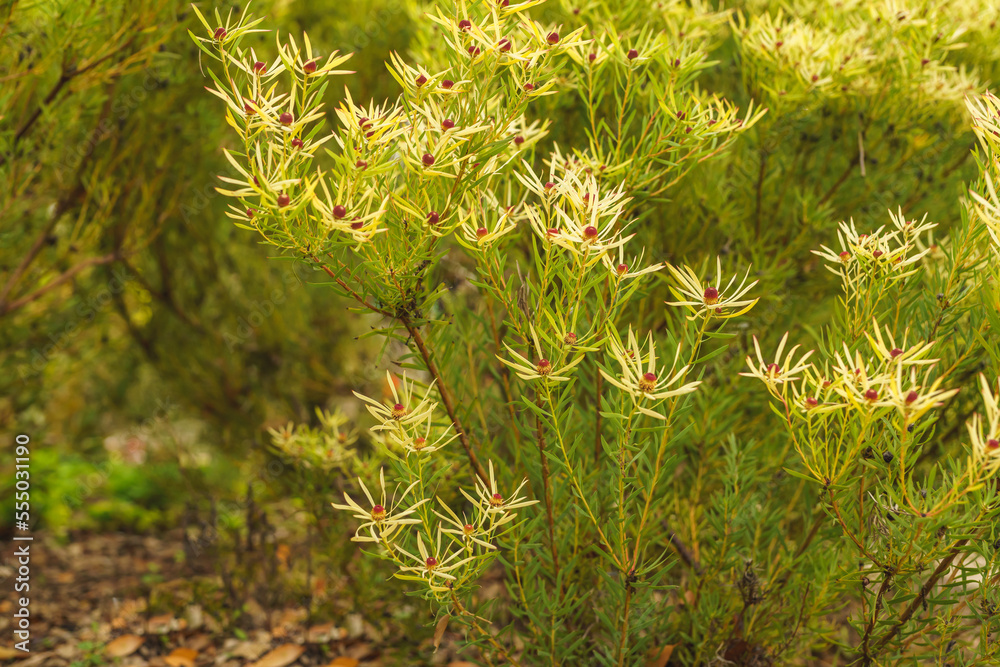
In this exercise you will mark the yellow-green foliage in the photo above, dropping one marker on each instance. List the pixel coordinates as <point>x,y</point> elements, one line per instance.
<point>682,338</point>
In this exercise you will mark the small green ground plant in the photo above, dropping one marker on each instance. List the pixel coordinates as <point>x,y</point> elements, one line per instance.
<point>694,393</point>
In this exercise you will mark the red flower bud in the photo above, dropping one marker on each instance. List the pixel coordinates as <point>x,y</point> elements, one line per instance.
<point>482,232</point>
<point>895,352</point>
<point>633,54</point>
<point>711,295</point>
<point>296,143</point>
<point>553,38</point>
<point>283,200</point>
<point>447,83</point>
<point>433,217</point>
<point>592,57</point>
<point>518,140</point>
<point>590,232</point>
<point>427,159</point>
<point>260,67</point>
<point>220,33</point>
<point>465,24</point>
<point>339,211</point>
<point>309,67</point>
<point>361,164</point>
<point>911,397</point>
<point>286,118</point>
<point>447,123</point>
<point>871,395</point>
<point>421,80</point>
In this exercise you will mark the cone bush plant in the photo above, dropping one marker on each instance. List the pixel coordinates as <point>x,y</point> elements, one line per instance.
<point>688,311</point>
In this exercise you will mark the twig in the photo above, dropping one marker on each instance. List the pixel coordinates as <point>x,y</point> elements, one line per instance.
<point>449,405</point>
<point>547,488</point>
<point>682,549</point>
<point>840,181</point>
<point>9,307</point>
<point>485,633</point>
<point>876,608</point>
<point>924,590</point>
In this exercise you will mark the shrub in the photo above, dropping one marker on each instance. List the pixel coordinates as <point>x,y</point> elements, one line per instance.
<point>653,465</point>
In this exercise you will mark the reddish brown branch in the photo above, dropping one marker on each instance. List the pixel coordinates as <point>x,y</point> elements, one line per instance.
<point>449,404</point>
<point>9,307</point>
<point>682,549</point>
<point>922,595</point>
<point>547,489</point>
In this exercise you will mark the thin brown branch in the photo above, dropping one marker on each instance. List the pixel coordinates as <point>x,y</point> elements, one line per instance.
<point>840,181</point>
<point>876,608</point>
<point>682,549</point>
<point>547,488</point>
<point>8,307</point>
<point>446,398</point>
<point>922,595</point>
<point>460,608</point>
<point>350,290</point>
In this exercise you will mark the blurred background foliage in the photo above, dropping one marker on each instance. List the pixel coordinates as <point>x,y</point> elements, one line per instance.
<point>128,301</point>
<point>146,344</point>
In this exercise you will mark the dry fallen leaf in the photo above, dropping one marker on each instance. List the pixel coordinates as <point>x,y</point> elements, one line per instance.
<point>343,661</point>
<point>662,658</point>
<point>123,646</point>
<point>285,654</point>
<point>181,657</point>
<point>7,653</point>
<point>162,624</point>
<point>319,634</point>
<point>439,630</point>
<point>283,552</point>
